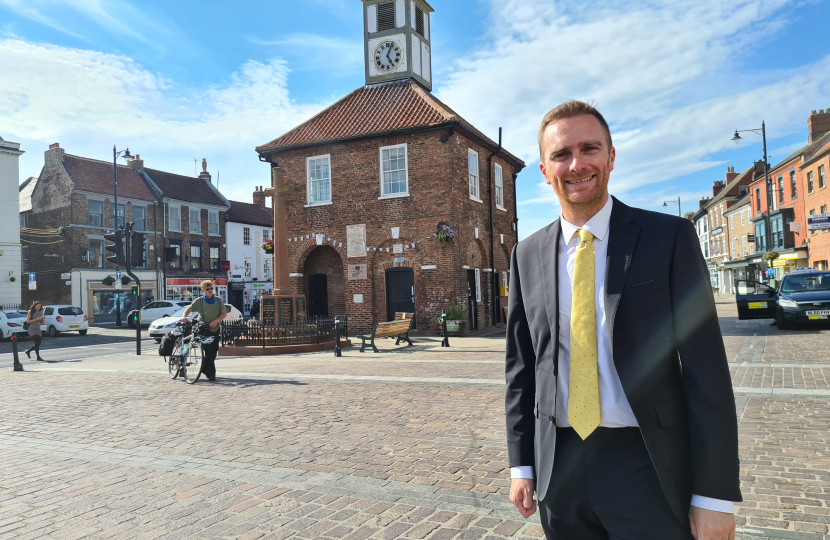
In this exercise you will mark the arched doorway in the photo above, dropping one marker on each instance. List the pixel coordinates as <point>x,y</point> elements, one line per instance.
<point>400,292</point>
<point>324,283</point>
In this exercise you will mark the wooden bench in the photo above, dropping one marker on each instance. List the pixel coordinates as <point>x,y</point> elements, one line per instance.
<point>403,315</point>
<point>397,329</point>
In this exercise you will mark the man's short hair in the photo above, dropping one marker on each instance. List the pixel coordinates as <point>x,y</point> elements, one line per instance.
<point>570,109</point>
<point>205,283</point>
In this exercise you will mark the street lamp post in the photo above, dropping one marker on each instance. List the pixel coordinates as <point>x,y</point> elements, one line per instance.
<point>115,154</point>
<point>763,133</point>
<point>678,206</point>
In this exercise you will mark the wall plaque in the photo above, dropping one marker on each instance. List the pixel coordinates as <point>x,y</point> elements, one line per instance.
<point>267,310</point>
<point>358,299</point>
<point>301,314</point>
<point>285,309</point>
<point>397,248</point>
<point>356,238</point>
<point>357,271</point>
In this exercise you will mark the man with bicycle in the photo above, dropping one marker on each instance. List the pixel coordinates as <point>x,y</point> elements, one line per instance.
<point>212,311</point>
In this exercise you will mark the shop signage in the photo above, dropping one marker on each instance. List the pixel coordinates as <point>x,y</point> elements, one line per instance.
<point>357,271</point>
<point>717,231</point>
<point>262,285</point>
<point>66,276</point>
<point>818,222</point>
<point>193,281</point>
<point>226,266</point>
<point>237,285</point>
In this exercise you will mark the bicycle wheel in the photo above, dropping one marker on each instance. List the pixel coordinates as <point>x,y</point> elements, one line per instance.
<point>174,361</point>
<point>193,365</point>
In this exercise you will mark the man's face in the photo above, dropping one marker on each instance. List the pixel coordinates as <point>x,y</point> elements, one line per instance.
<point>208,292</point>
<point>576,160</point>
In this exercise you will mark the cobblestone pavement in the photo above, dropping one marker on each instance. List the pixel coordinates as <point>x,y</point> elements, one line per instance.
<point>407,443</point>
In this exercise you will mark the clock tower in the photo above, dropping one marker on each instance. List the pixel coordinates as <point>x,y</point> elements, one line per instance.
<point>396,41</point>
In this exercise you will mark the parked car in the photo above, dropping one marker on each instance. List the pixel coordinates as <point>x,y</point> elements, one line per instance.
<point>64,318</point>
<point>755,300</point>
<point>161,327</point>
<point>803,298</point>
<point>11,323</point>
<point>156,310</point>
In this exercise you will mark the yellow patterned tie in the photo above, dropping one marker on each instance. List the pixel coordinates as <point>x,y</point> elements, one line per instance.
<point>583,385</point>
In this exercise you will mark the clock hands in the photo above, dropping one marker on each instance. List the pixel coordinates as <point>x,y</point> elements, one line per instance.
<point>388,50</point>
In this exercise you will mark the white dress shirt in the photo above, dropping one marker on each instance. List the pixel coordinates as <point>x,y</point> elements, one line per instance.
<point>615,410</point>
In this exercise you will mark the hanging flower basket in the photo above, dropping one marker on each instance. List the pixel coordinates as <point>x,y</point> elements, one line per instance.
<point>108,281</point>
<point>771,255</point>
<point>125,280</point>
<point>268,247</point>
<point>445,233</point>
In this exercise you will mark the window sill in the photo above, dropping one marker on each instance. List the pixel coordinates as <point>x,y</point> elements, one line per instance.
<point>502,208</point>
<point>195,232</point>
<point>476,200</point>
<point>324,203</point>
<point>215,234</point>
<point>393,196</point>
<point>174,230</point>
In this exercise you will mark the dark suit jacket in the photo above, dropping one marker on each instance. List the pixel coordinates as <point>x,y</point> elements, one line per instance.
<point>667,349</point>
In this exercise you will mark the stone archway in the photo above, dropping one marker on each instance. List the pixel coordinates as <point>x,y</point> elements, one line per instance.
<point>324,283</point>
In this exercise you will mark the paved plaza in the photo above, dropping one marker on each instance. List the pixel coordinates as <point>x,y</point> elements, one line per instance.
<point>408,443</point>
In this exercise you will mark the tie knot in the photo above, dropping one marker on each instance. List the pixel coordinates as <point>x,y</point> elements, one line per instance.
<point>585,236</point>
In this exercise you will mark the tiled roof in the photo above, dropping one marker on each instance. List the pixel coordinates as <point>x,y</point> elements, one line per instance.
<point>25,190</point>
<point>96,176</point>
<point>249,213</point>
<point>805,150</point>
<point>722,194</point>
<point>394,107</point>
<point>186,188</point>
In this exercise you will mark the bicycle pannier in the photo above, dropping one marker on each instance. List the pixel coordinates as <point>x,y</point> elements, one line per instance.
<point>167,344</point>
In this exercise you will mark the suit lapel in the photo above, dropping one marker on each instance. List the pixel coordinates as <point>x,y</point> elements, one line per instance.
<point>623,232</point>
<point>549,260</point>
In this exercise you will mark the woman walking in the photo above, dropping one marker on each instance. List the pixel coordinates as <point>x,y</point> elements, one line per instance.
<point>34,318</point>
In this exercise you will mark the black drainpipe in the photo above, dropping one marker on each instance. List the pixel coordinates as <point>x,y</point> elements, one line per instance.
<point>493,276</point>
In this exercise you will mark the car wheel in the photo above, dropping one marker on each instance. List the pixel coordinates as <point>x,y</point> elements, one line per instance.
<point>82,332</point>
<point>781,324</point>
<point>53,332</point>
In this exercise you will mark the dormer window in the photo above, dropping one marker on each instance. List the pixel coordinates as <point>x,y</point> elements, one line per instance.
<point>386,16</point>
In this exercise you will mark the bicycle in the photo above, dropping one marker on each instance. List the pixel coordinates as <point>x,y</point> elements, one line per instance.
<point>186,358</point>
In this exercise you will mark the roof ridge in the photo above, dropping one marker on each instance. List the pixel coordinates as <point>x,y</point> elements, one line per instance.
<point>97,160</point>
<point>175,174</point>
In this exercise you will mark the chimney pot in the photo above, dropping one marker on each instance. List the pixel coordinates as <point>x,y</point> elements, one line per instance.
<point>259,197</point>
<point>818,124</point>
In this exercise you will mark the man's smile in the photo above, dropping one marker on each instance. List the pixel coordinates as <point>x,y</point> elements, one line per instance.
<point>580,180</point>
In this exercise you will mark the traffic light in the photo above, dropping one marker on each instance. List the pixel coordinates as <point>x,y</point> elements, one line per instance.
<point>117,247</point>
<point>136,250</point>
<point>135,290</point>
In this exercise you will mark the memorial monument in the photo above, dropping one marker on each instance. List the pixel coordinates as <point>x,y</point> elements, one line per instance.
<point>283,306</point>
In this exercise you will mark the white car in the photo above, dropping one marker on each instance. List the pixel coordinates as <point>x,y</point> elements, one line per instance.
<point>156,310</point>
<point>64,318</point>
<point>11,323</point>
<point>161,327</point>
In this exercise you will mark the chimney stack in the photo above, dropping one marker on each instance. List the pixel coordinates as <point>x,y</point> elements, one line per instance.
<point>136,163</point>
<point>259,197</point>
<point>703,202</point>
<point>818,124</point>
<point>717,186</point>
<point>204,174</point>
<point>55,153</point>
<point>730,174</point>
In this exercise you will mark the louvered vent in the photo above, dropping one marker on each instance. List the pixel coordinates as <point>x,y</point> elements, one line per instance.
<point>386,16</point>
<point>419,20</point>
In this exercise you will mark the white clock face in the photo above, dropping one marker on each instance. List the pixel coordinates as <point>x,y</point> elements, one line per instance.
<point>388,56</point>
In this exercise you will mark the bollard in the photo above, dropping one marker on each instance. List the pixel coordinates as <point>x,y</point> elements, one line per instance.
<point>17,365</point>
<point>337,350</point>
<point>446,341</point>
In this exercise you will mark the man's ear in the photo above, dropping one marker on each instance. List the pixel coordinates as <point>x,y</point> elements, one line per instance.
<point>544,172</point>
<point>612,155</point>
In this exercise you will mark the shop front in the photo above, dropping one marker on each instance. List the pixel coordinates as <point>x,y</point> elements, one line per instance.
<point>789,260</point>
<point>100,302</point>
<point>191,288</point>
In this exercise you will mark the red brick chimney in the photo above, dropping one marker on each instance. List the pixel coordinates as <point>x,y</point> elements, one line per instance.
<point>204,174</point>
<point>136,163</point>
<point>55,153</point>
<point>704,201</point>
<point>717,186</point>
<point>259,197</point>
<point>730,174</point>
<point>818,124</point>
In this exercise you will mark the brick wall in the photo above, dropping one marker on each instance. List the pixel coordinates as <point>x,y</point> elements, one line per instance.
<point>819,241</point>
<point>187,238</point>
<point>326,260</point>
<point>438,187</point>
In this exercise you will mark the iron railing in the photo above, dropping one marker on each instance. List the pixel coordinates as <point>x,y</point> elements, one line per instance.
<point>255,333</point>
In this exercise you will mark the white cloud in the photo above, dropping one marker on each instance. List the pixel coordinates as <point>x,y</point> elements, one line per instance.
<point>88,100</point>
<point>666,74</point>
<point>318,53</point>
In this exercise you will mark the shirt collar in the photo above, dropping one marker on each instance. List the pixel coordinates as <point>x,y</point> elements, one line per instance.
<point>598,225</point>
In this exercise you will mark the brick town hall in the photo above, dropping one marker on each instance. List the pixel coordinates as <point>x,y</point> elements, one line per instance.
<point>372,179</point>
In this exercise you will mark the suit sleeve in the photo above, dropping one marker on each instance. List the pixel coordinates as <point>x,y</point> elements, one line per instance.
<point>713,425</point>
<point>520,375</point>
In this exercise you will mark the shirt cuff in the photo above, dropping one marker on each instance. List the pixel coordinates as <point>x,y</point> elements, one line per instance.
<point>524,471</point>
<point>717,505</point>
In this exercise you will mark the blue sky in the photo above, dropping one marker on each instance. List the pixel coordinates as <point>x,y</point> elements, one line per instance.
<point>181,80</point>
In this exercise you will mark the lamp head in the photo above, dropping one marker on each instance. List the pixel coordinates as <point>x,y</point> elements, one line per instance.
<point>127,154</point>
<point>665,205</point>
<point>737,137</point>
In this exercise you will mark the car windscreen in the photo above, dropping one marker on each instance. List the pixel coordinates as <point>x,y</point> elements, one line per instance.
<point>13,315</point>
<point>70,311</point>
<point>179,312</point>
<point>806,282</point>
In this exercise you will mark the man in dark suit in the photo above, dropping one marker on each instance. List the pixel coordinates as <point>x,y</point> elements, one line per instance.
<point>619,404</point>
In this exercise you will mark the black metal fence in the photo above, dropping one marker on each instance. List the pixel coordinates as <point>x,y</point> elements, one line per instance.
<point>255,333</point>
